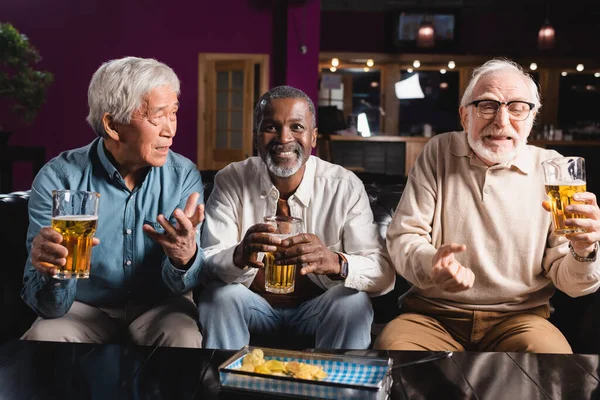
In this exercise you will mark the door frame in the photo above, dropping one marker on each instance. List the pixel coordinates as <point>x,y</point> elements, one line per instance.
<point>203,60</point>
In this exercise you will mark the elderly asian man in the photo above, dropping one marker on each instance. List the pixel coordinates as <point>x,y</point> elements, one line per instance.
<point>147,256</point>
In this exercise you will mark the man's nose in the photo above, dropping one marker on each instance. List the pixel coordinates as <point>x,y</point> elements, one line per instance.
<point>286,135</point>
<point>502,117</point>
<point>169,127</point>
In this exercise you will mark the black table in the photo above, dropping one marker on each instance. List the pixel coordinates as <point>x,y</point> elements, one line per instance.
<point>46,370</point>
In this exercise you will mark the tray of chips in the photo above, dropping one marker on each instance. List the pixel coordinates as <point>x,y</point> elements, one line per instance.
<point>306,374</point>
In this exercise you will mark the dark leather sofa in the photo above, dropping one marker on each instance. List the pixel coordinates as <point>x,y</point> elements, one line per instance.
<point>576,318</point>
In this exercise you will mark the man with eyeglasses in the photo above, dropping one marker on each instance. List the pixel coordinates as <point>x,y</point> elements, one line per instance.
<point>147,254</point>
<point>472,236</point>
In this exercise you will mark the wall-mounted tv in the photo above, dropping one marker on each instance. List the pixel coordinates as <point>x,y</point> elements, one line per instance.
<point>402,29</point>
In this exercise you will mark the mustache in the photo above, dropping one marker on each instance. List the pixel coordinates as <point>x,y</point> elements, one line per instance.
<point>275,146</point>
<point>492,131</point>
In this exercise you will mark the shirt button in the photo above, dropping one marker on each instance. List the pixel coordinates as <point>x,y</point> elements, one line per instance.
<point>128,262</point>
<point>273,194</point>
<point>487,190</point>
<point>128,231</point>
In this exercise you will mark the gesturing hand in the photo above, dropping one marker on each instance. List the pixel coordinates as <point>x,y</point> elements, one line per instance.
<point>256,239</point>
<point>308,249</point>
<point>47,252</point>
<point>179,241</point>
<point>447,273</point>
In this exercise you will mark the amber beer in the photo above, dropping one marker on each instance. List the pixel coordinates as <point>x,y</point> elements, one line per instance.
<point>563,177</point>
<point>280,278</point>
<point>75,217</point>
<point>78,232</point>
<point>560,195</point>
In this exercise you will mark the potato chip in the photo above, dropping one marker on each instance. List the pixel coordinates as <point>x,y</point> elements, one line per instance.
<point>275,365</point>
<point>255,362</point>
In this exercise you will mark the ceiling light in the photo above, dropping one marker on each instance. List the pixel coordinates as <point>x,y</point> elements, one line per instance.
<point>416,63</point>
<point>335,62</point>
<point>533,66</point>
<point>451,64</point>
<point>442,71</point>
<point>370,63</point>
<point>410,70</point>
<point>546,36</point>
<point>597,74</point>
<point>564,73</point>
<point>579,67</point>
<point>366,69</point>
<point>333,69</point>
<point>426,34</point>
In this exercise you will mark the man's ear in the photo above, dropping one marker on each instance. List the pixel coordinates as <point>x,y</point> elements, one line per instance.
<point>110,126</point>
<point>313,139</point>
<point>464,117</point>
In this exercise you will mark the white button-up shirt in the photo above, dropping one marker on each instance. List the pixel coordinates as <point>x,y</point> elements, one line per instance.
<point>332,203</point>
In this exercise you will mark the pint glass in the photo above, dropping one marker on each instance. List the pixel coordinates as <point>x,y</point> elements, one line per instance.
<point>563,177</point>
<point>75,217</point>
<point>281,278</point>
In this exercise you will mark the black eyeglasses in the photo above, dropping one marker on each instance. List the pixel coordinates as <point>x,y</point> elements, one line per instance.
<point>517,110</point>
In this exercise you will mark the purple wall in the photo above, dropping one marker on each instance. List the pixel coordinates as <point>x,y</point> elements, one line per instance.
<point>303,29</point>
<point>75,37</point>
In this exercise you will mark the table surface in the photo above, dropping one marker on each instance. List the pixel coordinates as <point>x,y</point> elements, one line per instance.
<point>47,370</point>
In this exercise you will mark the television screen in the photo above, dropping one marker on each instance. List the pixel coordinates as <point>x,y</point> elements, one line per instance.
<point>408,26</point>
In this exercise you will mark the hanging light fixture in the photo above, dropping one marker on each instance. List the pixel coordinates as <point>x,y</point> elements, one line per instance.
<point>426,34</point>
<point>546,34</point>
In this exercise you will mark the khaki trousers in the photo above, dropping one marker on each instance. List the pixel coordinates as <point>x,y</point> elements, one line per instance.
<point>426,326</point>
<point>172,322</point>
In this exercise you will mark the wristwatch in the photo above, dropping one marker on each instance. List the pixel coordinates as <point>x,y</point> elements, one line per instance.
<point>343,265</point>
<point>590,258</point>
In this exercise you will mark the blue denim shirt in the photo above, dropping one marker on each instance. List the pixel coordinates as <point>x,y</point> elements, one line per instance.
<point>127,265</point>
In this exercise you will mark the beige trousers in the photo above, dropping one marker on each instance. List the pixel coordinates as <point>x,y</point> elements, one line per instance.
<point>172,322</point>
<point>426,326</point>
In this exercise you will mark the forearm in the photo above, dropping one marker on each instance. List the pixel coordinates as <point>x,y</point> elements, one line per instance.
<point>48,297</point>
<point>575,278</point>
<point>181,280</point>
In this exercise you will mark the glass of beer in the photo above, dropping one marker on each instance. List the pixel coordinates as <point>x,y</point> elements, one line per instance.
<point>281,278</point>
<point>75,217</point>
<point>563,177</point>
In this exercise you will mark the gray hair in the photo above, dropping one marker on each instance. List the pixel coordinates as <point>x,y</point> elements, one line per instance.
<point>495,65</point>
<point>281,92</point>
<point>119,87</point>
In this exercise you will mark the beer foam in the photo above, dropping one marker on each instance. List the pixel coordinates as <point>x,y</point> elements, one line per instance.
<point>576,182</point>
<point>76,218</point>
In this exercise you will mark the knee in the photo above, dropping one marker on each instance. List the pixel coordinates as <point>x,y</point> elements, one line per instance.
<point>220,294</point>
<point>350,304</point>
<point>54,330</point>
<point>176,330</point>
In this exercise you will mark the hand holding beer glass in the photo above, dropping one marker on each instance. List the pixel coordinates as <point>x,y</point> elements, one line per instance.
<point>563,177</point>
<point>75,217</point>
<point>281,279</point>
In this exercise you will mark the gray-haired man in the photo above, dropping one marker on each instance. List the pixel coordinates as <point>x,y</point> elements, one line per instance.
<point>147,256</point>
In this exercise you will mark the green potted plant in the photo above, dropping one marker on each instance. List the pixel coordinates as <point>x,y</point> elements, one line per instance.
<point>21,85</point>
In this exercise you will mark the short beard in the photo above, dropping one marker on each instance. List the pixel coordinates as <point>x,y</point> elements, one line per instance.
<point>489,154</point>
<point>285,172</point>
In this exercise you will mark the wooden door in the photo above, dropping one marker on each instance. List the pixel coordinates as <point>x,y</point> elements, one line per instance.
<point>227,98</point>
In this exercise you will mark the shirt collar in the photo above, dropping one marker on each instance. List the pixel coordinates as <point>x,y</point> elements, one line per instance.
<point>105,161</point>
<point>304,191</point>
<point>459,146</point>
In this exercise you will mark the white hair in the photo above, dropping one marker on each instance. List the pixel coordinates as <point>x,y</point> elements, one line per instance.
<point>119,87</point>
<point>496,65</point>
